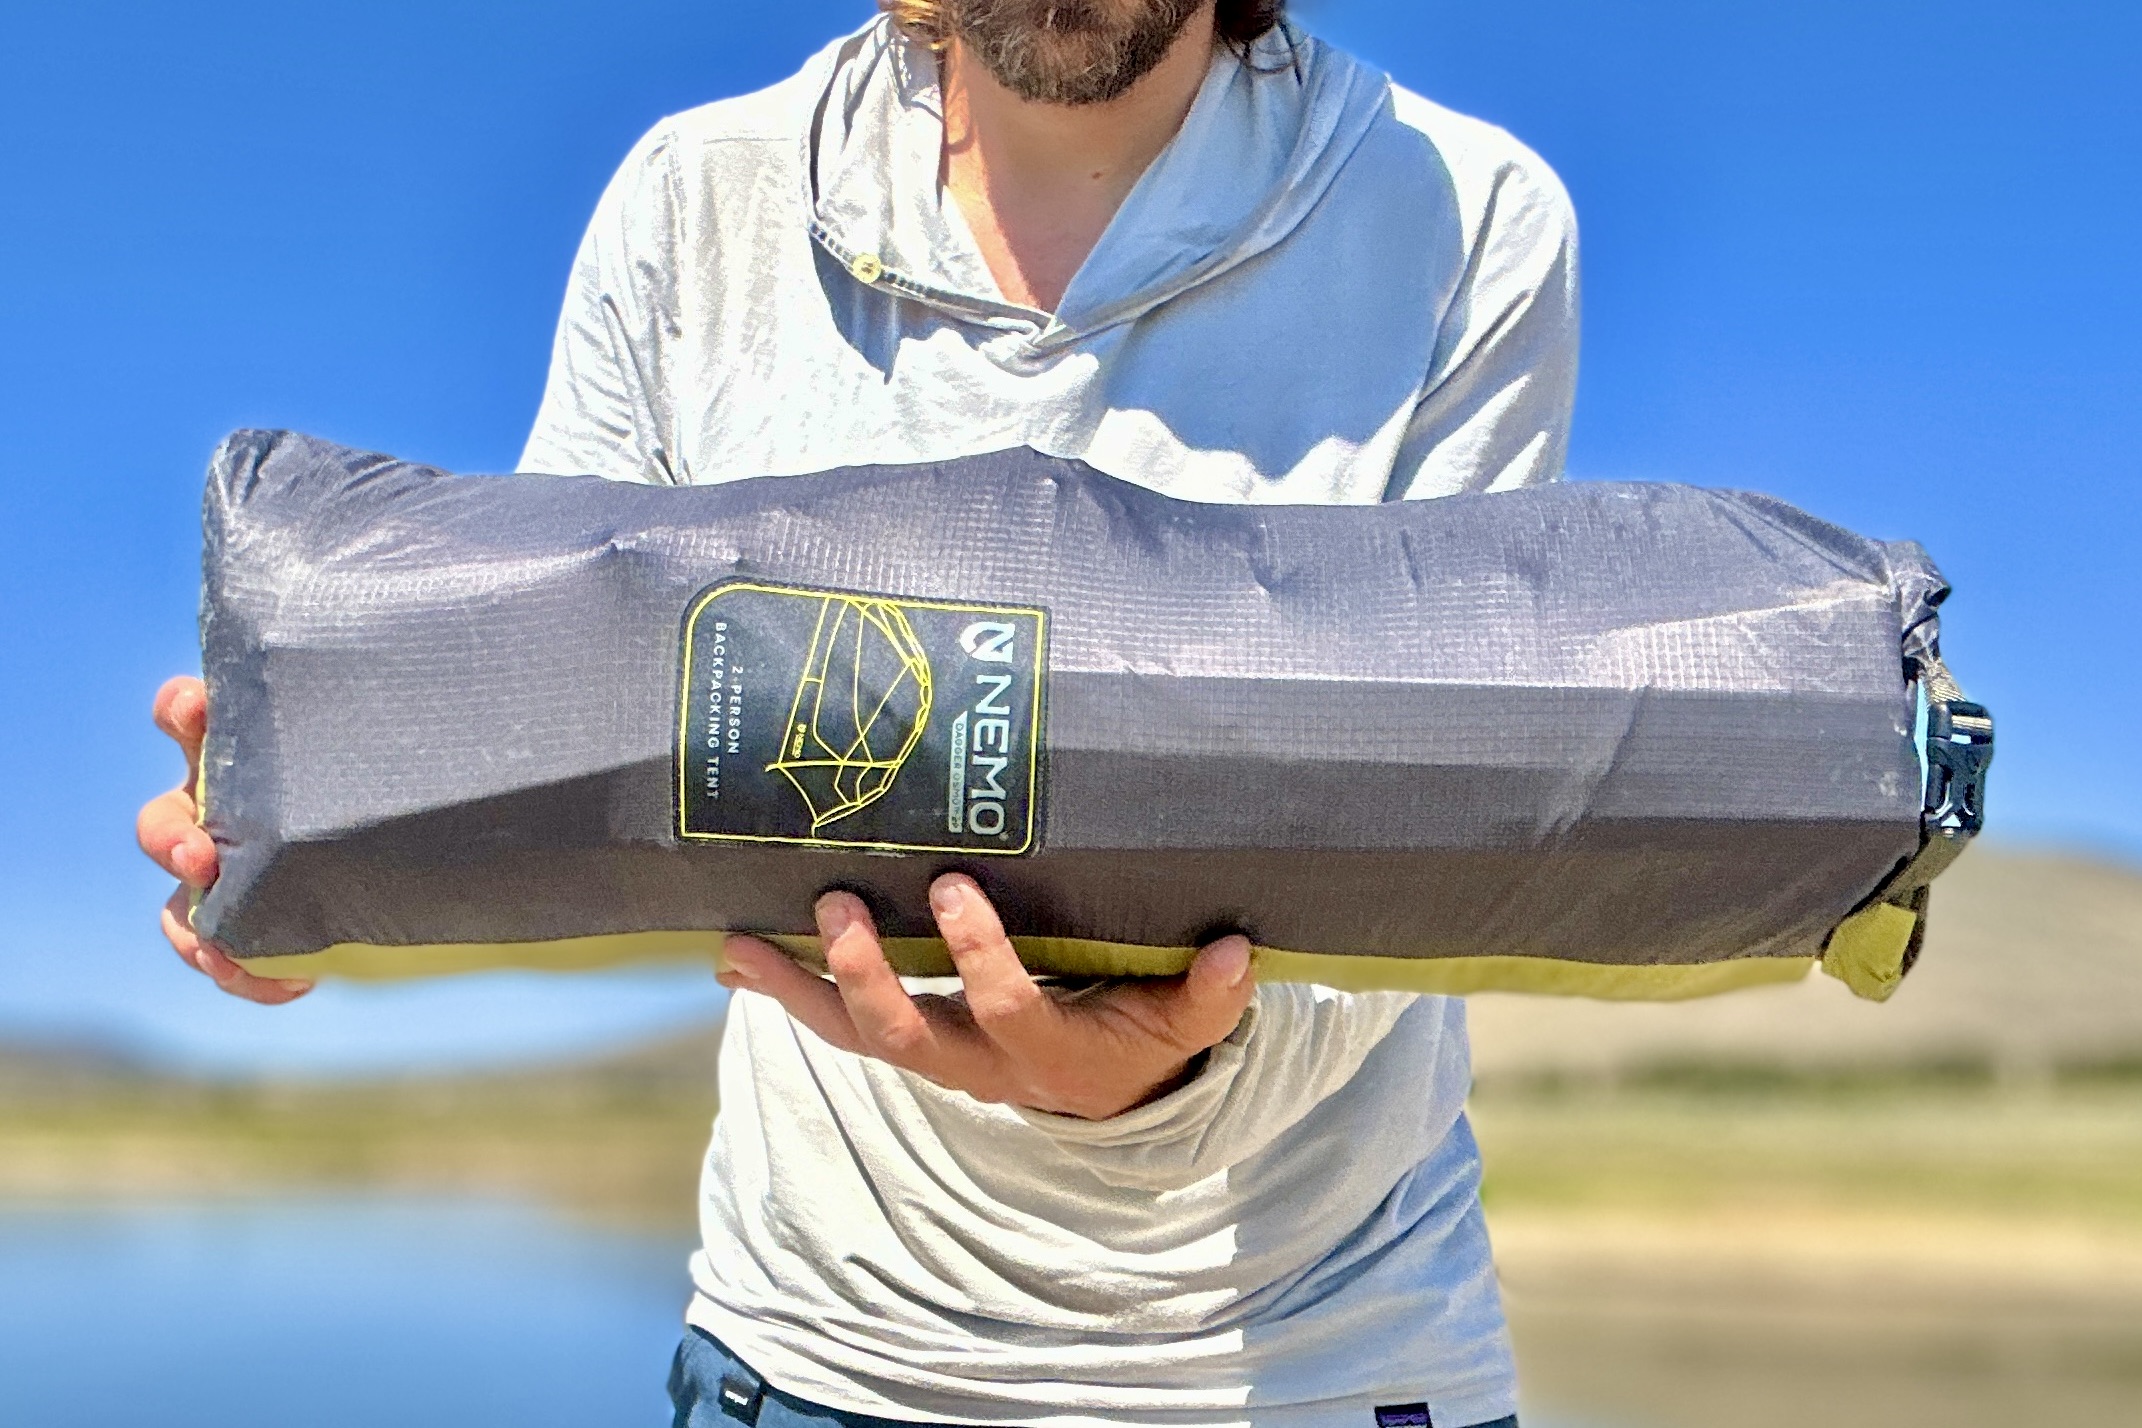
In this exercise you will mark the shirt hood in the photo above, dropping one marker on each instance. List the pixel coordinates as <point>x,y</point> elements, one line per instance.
<point>1265,137</point>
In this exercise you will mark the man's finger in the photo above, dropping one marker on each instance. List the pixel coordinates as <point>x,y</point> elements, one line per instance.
<point>211,961</point>
<point>890,1025</point>
<point>238,982</point>
<point>167,832</point>
<point>1200,1009</point>
<point>178,930</point>
<point>1002,996</point>
<point>181,710</point>
<point>756,966</point>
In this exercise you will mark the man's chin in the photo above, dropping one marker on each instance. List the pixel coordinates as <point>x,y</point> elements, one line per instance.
<point>1067,81</point>
<point>1091,60</point>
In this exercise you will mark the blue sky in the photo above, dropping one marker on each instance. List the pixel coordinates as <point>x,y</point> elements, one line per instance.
<point>1879,258</point>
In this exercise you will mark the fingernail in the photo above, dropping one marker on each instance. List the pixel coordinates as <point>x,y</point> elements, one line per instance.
<point>835,916</point>
<point>1235,951</point>
<point>738,969</point>
<point>200,959</point>
<point>947,898</point>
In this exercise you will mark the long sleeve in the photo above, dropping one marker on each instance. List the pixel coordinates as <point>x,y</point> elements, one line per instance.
<point>607,407</point>
<point>1496,410</point>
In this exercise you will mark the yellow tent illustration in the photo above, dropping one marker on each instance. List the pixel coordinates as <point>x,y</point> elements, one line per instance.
<point>861,704</point>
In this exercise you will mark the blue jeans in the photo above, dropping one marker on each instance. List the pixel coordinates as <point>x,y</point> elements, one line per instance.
<point>713,1388</point>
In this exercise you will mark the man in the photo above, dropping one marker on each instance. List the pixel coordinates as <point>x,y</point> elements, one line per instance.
<point>1186,243</point>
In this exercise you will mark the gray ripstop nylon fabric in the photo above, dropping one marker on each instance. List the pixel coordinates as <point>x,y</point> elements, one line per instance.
<point>1624,724</point>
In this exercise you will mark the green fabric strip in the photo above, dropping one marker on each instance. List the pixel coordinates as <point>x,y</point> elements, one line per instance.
<point>926,957</point>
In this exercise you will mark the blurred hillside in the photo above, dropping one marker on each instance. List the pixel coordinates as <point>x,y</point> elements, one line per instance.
<point>2033,967</point>
<point>1790,1206</point>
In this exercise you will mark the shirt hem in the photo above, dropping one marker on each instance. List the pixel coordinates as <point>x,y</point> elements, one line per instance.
<point>817,1383</point>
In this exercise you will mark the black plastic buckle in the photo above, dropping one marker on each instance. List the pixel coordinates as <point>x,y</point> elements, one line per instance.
<point>1959,750</point>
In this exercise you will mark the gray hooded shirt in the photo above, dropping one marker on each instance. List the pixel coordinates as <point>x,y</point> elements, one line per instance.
<point>1325,289</point>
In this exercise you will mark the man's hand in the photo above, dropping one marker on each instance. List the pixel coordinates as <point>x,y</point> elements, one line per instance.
<point>1005,1037</point>
<point>169,832</point>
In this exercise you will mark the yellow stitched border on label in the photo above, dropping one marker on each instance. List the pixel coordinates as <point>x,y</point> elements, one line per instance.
<point>1033,764</point>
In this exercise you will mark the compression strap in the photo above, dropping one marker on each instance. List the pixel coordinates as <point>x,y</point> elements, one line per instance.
<point>1866,952</point>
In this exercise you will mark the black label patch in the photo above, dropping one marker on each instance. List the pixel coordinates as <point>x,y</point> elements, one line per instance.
<point>843,720</point>
<point>1404,1415</point>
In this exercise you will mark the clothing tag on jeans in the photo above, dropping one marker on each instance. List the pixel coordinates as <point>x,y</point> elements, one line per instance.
<point>1404,1415</point>
<point>741,1397</point>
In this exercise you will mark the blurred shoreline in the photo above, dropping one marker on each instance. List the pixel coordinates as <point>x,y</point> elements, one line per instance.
<point>1923,1175</point>
<point>617,1138</point>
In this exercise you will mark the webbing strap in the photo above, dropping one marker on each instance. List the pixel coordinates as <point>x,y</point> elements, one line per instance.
<point>1959,749</point>
<point>1934,678</point>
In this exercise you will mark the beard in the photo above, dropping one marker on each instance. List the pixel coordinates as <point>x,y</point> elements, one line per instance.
<point>1069,51</point>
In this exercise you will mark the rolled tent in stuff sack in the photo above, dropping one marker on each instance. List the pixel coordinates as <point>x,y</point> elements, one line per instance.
<point>1629,740</point>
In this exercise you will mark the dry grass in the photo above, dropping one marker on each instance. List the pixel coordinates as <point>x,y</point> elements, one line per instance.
<point>620,1140</point>
<point>1740,1252</point>
<point>2052,1153</point>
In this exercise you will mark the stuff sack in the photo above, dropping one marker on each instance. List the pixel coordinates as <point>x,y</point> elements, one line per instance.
<point>1629,740</point>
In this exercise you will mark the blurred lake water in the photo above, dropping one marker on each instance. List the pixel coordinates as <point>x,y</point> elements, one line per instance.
<point>332,1313</point>
<point>366,1309</point>
<point>340,1313</point>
